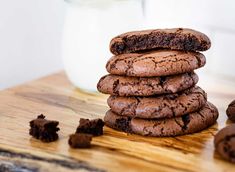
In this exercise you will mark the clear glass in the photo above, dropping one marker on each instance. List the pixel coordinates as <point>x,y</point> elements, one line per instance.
<point>88,29</point>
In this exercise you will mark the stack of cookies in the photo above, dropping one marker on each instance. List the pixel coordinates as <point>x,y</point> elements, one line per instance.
<point>152,84</point>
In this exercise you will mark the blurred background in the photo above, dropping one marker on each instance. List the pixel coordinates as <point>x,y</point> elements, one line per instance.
<point>37,37</point>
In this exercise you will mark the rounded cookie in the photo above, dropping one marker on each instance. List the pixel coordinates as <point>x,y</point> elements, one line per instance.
<point>224,143</point>
<point>176,39</point>
<point>165,106</point>
<point>145,86</point>
<point>231,111</point>
<point>155,63</point>
<point>186,124</point>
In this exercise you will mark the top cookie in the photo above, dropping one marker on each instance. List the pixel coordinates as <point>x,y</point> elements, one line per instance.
<point>175,39</point>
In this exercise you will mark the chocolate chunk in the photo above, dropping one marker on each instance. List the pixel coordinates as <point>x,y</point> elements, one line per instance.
<point>231,111</point>
<point>123,124</point>
<point>225,143</point>
<point>44,130</point>
<point>80,140</point>
<point>94,127</point>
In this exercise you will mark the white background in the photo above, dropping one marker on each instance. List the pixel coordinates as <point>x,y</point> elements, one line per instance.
<point>30,39</point>
<point>31,31</point>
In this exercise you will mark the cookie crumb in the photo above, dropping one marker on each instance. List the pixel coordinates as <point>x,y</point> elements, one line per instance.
<point>93,127</point>
<point>80,140</point>
<point>43,129</point>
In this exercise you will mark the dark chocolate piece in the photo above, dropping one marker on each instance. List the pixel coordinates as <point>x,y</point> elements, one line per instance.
<point>80,140</point>
<point>43,129</point>
<point>94,127</point>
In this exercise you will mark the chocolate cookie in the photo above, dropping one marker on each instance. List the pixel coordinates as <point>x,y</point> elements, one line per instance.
<point>137,86</point>
<point>186,124</point>
<point>225,143</point>
<point>155,63</point>
<point>231,111</point>
<point>175,39</point>
<point>166,106</point>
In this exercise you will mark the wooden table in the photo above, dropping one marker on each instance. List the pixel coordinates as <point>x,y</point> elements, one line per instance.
<point>55,97</point>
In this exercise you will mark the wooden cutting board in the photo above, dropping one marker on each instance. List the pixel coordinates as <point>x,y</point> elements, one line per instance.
<point>56,98</point>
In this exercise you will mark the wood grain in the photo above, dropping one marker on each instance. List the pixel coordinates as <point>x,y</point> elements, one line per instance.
<point>55,97</point>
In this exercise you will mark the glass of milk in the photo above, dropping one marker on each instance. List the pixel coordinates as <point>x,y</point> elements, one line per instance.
<point>89,27</point>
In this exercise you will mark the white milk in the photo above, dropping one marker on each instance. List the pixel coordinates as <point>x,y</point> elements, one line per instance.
<point>89,27</point>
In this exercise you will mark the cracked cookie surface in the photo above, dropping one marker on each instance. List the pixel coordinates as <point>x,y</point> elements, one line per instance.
<point>175,39</point>
<point>145,86</point>
<point>186,124</point>
<point>164,106</point>
<point>155,63</point>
